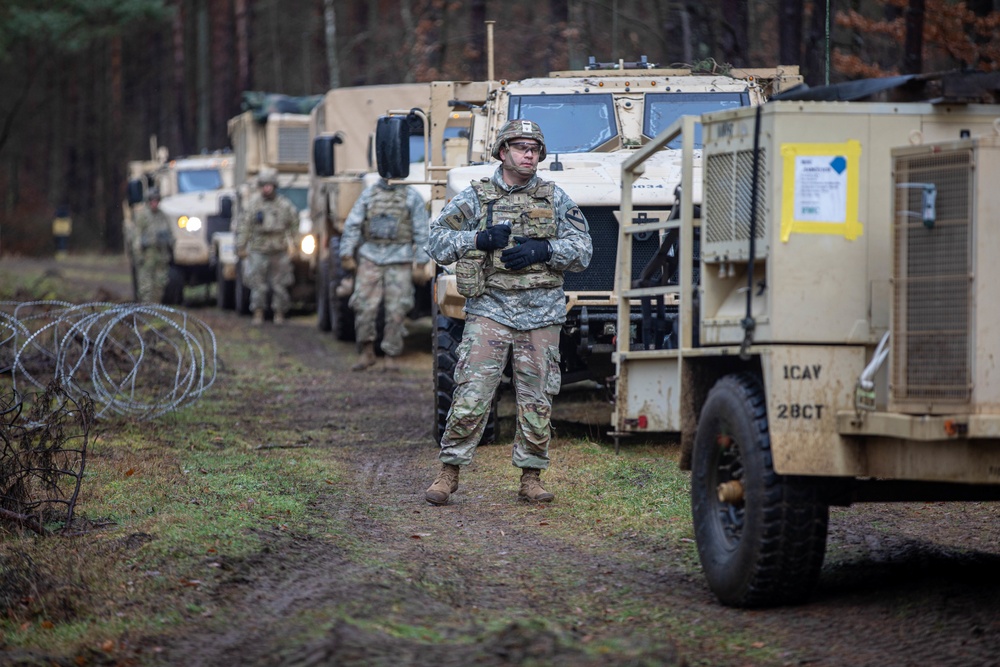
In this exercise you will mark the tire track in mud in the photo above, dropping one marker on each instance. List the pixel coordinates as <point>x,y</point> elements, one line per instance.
<point>898,587</point>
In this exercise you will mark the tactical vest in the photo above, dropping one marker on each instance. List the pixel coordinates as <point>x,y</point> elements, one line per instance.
<point>388,219</point>
<point>529,212</point>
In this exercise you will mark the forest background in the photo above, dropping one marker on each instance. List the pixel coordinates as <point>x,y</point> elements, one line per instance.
<point>84,84</point>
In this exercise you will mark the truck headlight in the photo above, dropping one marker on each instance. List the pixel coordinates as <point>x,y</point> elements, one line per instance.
<point>192,224</point>
<point>308,244</point>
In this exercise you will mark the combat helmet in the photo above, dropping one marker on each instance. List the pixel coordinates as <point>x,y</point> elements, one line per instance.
<point>519,129</point>
<point>266,176</point>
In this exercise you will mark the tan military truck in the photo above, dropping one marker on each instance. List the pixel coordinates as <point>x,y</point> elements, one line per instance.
<point>197,195</point>
<point>342,127</point>
<point>826,329</point>
<point>593,120</point>
<point>262,138</point>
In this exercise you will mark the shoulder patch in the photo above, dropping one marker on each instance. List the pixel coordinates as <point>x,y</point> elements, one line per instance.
<point>577,219</point>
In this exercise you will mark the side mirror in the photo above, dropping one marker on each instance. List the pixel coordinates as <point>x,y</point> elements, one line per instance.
<point>134,192</point>
<point>392,146</point>
<point>323,163</point>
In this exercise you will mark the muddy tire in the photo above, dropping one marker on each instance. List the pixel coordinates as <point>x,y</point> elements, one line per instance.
<point>323,292</point>
<point>447,336</point>
<point>767,547</point>
<point>225,290</point>
<point>173,294</point>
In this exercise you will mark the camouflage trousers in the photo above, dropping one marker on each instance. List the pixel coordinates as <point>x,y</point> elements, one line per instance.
<point>374,283</point>
<point>482,357</point>
<point>151,275</point>
<point>268,272</point>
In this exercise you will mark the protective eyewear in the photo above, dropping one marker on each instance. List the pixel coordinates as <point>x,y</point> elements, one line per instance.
<point>524,148</point>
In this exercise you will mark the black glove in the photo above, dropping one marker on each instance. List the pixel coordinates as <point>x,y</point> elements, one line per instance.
<point>525,253</point>
<point>493,238</point>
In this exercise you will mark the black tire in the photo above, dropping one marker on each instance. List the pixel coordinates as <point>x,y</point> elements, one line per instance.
<point>173,294</point>
<point>341,315</point>
<point>447,336</point>
<point>765,548</point>
<point>241,296</point>
<point>323,292</point>
<point>225,290</point>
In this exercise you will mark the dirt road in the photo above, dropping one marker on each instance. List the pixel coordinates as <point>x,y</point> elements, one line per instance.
<point>913,584</point>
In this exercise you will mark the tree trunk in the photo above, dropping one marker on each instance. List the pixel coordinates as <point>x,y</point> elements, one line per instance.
<point>817,64</point>
<point>913,60</point>
<point>734,31</point>
<point>180,90</point>
<point>224,97</point>
<point>477,40</point>
<point>203,64</point>
<point>243,81</point>
<point>789,32</point>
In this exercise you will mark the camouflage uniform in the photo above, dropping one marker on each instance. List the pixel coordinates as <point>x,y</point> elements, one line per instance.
<point>521,310</point>
<point>267,232</point>
<point>153,248</point>
<point>387,230</point>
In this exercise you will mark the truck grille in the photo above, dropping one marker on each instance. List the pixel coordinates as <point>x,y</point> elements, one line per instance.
<point>600,275</point>
<point>293,145</point>
<point>728,193</point>
<point>932,289</point>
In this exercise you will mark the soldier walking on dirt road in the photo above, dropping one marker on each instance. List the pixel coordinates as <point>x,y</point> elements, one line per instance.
<point>154,245</point>
<point>512,237</point>
<point>383,242</point>
<point>265,241</point>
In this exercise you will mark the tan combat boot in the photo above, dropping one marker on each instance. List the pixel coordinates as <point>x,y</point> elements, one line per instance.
<point>258,317</point>
<point>279,318</point>
<point>391,363</point>
<point>531,487</point>
<point>366,357</point>
<point>445,485</point>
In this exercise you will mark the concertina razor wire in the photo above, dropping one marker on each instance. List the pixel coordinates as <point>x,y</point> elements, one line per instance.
<point>136,359</point>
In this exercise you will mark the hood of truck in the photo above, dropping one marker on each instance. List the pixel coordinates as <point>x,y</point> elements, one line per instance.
<point>194,204</point>
<point>595,179</point>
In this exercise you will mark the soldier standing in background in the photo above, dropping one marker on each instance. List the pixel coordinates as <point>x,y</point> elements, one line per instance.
<point>512,236</point>
<point>387,230</point>
<point>154,244</point>
<point>265,241</point>
<point>62,227</point>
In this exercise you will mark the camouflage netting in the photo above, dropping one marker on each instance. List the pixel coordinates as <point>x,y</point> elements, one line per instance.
<point>262,104</point>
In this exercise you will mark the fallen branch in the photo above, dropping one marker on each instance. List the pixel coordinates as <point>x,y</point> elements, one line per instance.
<point>23,520</point>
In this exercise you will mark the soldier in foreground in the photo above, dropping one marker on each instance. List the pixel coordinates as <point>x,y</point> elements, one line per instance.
<point>153,248</point>
<point>512,236</point>
<point>383,243</point>
<point>265,241</point>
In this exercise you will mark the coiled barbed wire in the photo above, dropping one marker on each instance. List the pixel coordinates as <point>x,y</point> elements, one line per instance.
<point>137,359</point>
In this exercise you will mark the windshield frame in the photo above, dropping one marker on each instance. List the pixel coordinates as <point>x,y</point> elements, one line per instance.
<point>694,103</point>
<point>568,133</point>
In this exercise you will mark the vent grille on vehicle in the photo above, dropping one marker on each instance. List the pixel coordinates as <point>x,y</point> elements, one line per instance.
<point>728,191</point>
<point>600,275</point>
<point>931,345</point>
<point>293,145</point>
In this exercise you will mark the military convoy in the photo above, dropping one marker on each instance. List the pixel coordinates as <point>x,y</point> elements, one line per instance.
<point>272,135</point>
<point>593,120</point>
<point>197,195</point>
<point>819,322</point>
<point>342,126</point>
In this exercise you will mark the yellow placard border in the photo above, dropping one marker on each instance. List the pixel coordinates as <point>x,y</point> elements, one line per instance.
<point>851,228</point>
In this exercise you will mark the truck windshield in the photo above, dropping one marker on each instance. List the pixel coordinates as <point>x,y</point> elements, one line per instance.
<point>198,180</point>
<point>662,109</point>
<point>570,123</point>
<point>298,196</point>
